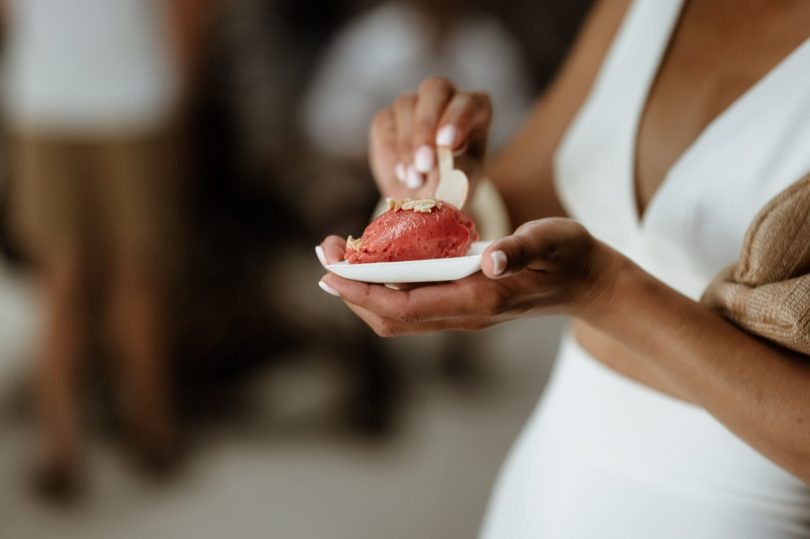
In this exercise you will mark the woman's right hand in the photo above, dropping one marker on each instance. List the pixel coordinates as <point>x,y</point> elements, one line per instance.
<point>404,137</point>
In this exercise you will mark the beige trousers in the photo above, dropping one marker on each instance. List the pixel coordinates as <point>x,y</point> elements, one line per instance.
<point>107,199</point>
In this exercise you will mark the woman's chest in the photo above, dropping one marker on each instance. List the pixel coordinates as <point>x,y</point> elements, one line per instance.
<point>716,54</point>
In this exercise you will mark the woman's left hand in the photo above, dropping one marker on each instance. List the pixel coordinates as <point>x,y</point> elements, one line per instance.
<point>547,266</point>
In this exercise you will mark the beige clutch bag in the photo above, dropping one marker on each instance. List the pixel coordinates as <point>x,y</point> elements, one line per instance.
<point>767,292</point>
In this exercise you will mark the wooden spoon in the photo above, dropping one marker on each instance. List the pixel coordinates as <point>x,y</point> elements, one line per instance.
<point>453,183</point>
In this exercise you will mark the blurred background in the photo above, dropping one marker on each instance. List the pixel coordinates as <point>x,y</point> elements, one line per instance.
<point>168,365</point>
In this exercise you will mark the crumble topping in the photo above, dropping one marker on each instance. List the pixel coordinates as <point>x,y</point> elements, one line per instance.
<point>354,244</point>
<point>419,205</point>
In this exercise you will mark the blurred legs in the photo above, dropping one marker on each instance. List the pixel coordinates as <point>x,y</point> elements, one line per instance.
<point>59,372</point>
<point>137,186</point>
<point>139,331</point>
<point>47,217</point>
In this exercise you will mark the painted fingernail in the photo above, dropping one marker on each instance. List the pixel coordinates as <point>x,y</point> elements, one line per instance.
<point>415,180</point>
<point>423,158</point>
<point>446,136</point>
<point>328,289</point>
<point>498,262</point>
<point>399,171</point>
<point>321,256</point>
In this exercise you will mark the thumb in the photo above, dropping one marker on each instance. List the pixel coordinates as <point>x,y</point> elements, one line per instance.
<point>510,255</point>
<point>535,245</point>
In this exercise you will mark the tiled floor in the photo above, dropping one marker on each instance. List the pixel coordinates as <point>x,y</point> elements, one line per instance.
<point>431,479</point>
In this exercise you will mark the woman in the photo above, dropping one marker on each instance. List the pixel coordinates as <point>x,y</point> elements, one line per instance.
<point>669,126</point>
<point>91,90</point>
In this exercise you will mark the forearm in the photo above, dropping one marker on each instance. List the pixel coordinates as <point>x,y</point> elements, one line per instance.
<point>758,391</point>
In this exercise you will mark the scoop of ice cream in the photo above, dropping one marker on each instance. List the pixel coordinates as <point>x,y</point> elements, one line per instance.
<point>413,230</point>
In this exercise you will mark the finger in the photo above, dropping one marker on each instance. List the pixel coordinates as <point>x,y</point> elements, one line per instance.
<point>473,296</point>
<point>404,108</point>
<point>319,252</point>
<point>535,245</point>
<point>389,327</point>
<point>465,121</point>
<point>512,254</point>
<point>383,154</point>
<point>332,250</point>
<point>399,286</point>
<point>383,327</point>
<point>434,95</point>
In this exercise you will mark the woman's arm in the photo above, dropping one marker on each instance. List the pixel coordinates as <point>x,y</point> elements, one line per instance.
<point>759,391</point>
<point>523,170</point>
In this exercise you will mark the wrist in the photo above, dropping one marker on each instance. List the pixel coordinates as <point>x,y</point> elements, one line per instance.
<point>611,278</point>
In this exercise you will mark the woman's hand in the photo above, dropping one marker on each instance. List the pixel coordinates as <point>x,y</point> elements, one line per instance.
<point>404,137</point>
<point>547,266</point>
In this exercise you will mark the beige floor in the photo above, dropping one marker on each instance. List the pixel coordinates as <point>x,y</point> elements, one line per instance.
<point>253,479</point>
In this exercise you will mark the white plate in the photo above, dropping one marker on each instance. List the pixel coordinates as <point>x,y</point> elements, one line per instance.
<point>414,271</point>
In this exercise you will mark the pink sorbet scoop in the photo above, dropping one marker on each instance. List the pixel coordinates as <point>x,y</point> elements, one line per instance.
<point>413,230</point>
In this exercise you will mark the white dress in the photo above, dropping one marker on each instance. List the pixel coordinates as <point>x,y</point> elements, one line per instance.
<point>604,456</point>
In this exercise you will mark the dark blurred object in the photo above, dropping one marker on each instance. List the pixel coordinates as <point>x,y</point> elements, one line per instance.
<point>260,59</point>
<point>9,251</point>
<point>544,30</point>
<point>248,206</point>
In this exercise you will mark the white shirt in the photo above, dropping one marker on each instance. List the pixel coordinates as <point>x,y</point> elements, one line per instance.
<point>88,65</point>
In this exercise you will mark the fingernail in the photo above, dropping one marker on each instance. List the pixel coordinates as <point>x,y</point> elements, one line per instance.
<point>321,256</point>
<point>399,170</point>
<point>328,289</point>
<point>423,158</point>
<point>415,180</point>
<point>498,262</point>
<point>446,136</point>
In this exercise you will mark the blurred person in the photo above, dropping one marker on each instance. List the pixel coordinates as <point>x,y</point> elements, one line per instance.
<point>635,180</point>
<point>92,93</point>
<point>394,46</point>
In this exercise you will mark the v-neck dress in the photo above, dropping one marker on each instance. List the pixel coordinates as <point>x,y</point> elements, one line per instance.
<point>603,456</point>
